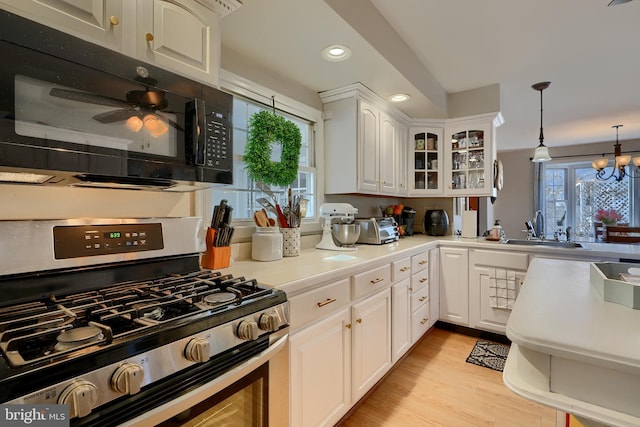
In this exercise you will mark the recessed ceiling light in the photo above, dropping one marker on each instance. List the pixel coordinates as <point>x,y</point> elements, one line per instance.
<point>336,53</point>
<point>399,97</point>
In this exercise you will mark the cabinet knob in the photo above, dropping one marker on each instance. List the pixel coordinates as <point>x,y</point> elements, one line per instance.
<point>149,37</point>
<point>348,326</point>
<point>358,320</point>
<point>114,20</point>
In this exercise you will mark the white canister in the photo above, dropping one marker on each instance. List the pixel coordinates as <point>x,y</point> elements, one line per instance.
<point>266,244</point>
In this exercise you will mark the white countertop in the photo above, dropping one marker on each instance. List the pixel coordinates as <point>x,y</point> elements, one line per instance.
<point>560,322</point>
<point>314,266</point>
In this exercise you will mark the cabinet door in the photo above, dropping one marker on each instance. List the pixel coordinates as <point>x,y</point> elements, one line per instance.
<point>470,166</point>
<point>454,285</point>
<point>388,155</point>
<point>368,171</point>
<point>488,316</point>
<point>371,342</point>
<point>183,37</point>
<point>401,166</point>
<point>321,371</point>
<point>434,286</point>
<point>425,161</point>
<point>97,21</point>
<point>401,318</point>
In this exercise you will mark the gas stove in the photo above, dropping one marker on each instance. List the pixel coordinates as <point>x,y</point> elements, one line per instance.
<point>117,318</point>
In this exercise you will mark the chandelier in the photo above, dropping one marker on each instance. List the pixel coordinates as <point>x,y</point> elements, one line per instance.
<point>542,152</point>
<point>620,163</point>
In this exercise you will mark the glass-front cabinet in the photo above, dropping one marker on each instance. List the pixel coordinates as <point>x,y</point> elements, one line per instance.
<point>425,161</point>
<point>470,152</point>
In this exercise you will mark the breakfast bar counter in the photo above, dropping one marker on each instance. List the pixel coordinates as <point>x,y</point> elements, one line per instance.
<point>572,350</point>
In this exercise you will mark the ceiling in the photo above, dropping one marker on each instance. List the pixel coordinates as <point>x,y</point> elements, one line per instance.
<point>430,48</point>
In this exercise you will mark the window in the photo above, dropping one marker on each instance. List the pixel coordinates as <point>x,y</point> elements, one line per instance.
<point>571,195</point>
<point>243,195</point>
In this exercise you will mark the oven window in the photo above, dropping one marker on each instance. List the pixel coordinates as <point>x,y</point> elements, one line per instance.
<point>243,404</point>
<point>136,122</point>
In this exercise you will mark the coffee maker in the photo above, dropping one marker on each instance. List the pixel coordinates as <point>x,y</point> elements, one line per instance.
<point>407,219</point>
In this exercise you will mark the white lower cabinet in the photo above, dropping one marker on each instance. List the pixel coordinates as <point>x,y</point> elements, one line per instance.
<point>495,278</point>
<point>401,319</point>
<point>371,353</point>
<point>321,371</point>
<point>454,285</point>
<point>434,286</point>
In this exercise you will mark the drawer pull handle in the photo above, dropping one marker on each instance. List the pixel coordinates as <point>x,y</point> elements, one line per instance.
<point>423,262</point>
<point>424,279</point>
<point>403,269</point>
<point>378,280</point>
<point>325,302</point>
<point>422,299</point>
<point>423,321</point>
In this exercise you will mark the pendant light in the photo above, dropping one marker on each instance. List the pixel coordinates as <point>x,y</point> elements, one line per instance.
<point>620,163</point>
<point>542,152</point>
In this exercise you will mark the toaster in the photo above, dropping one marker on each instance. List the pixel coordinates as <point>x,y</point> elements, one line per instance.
<point>377,231</point>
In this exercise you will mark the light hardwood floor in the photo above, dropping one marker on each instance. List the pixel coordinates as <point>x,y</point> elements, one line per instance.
<point>434,386</point>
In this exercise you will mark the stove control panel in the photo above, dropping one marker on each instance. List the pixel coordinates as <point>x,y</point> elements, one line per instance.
<point>75,241</point>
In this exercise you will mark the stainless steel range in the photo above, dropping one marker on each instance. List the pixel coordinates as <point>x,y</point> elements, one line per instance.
<point>116,319</point>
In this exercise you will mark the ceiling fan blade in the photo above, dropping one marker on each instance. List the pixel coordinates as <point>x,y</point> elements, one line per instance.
<point>617,2</point>
<point>74,95</point>
<point>115,115</point>
<point>168,120</point>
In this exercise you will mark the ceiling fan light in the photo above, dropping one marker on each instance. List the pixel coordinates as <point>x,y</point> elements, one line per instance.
<point>600,164</point>
<point>160,129</point>
<point>636,161</point>
<point>541,154</point>
<point>134,123</point>
<point>151,122</point>
<point>623,160</point>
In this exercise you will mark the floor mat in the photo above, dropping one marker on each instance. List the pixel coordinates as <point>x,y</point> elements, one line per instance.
<point>489,355</point>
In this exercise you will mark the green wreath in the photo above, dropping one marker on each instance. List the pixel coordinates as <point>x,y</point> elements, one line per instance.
<point>266,128</point>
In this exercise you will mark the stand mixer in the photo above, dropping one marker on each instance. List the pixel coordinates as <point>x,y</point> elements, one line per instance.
<point>338,211</point>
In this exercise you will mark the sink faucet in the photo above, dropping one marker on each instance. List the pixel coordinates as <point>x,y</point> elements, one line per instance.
<point>538,222</point>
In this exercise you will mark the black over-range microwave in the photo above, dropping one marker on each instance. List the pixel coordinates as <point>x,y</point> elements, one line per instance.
<point>74,113</point>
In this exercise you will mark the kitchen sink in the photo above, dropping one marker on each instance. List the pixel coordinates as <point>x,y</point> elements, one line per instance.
<point>536,242</point>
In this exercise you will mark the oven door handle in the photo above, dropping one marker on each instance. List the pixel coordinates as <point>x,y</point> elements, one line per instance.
<point>186,401</point>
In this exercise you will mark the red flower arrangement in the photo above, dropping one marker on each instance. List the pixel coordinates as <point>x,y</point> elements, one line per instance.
<point>608,217</point>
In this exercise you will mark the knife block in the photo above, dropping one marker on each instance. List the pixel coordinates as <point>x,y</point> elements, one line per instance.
<point>215,257</point>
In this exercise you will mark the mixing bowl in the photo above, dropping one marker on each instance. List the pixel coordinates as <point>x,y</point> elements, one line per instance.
<point>346,234</point>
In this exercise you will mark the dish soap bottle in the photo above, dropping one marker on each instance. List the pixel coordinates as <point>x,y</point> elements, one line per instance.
<point>496,230</point>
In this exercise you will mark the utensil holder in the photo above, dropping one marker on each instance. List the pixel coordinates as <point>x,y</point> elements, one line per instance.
<point>291,241</point>
<point>215,257</point>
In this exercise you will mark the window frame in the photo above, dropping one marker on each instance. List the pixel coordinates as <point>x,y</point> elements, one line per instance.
<point>235,84</point>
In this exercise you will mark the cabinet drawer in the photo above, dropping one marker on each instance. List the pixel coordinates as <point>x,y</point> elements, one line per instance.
<point>400,269</point>
<point>318,303</point>
<point>419,322</point>
<point>371,281</point>
<point>419,262</point>
<point>419,298</point>
<point>502,259</point>
<point>419,280</point>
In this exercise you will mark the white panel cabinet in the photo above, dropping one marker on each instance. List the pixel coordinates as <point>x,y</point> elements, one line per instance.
<point>371,342</point>
<point>490,274</point>
<point>182,36</point>
<point>365,141</point>
<point>401,308</point>
<point>419,295</point>
<point>454,285</point>
<point>434,286</point>
<point>321,371</point>
<point>426,161</point>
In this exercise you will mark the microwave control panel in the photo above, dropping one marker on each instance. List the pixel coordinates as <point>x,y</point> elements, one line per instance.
<point>217,142</point>
<point>75,241</point>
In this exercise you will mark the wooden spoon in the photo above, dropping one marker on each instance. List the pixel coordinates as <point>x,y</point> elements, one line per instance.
<point>260,219</point>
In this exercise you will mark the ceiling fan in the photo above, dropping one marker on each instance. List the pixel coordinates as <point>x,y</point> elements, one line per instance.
<point>617,2</point>
<point>140,107</point>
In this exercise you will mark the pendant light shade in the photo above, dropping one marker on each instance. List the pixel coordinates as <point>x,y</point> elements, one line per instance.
<point>542,152</point>
<point>620,163</point>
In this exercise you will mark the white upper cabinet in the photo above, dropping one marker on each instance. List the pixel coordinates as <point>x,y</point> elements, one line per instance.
<point>364,143</point>
<point>426,160</point>
<point>96,21</point>
<point>470,153</point>
<point>182,36</point>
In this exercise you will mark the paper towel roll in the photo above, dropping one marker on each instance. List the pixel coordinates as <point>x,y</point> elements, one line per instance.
<point>470,224</point>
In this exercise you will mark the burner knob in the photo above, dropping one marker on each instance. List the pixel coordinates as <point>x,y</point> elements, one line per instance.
<point>248,330</point>
<point>198,350</point>
<point>127,379</point>
<point>268,322</point>
<point>80,396</point>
